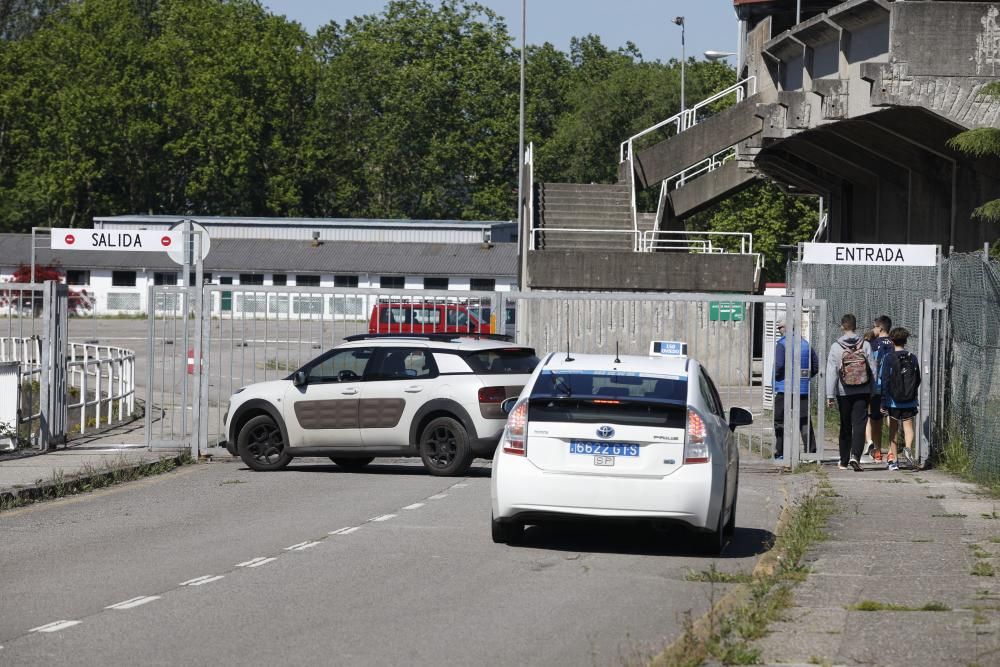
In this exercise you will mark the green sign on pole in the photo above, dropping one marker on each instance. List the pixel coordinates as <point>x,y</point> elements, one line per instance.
<point>726,311</point>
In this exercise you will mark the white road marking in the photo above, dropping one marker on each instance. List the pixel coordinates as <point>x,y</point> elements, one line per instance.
<point>301,546</point>
<point>344,531</point>
<point>438,496</point>
<point>384,517</point>
<point>460,485</point>
<point>134,602</point>
<point>55,626</point>
<point>204,579</point>
<point>256,562</point>
<point>414,506</point>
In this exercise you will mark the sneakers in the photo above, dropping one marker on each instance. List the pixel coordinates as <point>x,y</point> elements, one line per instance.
<point>907,456</point>
<point>893,466</point>
<point>779,458</point>
<point>869,449</point>
<point>854,464</point>
<point>877,455</point>
<point>841,466</point>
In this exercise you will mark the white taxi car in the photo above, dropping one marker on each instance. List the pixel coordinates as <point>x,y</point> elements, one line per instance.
<point>627,437</point>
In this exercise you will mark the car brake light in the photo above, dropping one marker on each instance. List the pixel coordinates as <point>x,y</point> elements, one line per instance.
<point>516,433</point>
<point>696,444</point>
<point>492,394</point>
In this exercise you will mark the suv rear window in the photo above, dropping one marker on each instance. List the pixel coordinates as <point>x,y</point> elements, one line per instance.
<point>503,361</point>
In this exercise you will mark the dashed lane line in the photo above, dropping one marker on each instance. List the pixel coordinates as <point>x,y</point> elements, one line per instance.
<point>344,531</point>
<point>202,580</point>
<point>55,626</point>
<point>134,602</point>
<point>257,562</point>
<point>302,546</point>
<point>384,517</point>
<point>414,506</point>
<point>437,496</point>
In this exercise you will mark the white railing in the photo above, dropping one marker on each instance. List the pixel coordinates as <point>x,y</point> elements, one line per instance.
<point>681,121</point>
<point>27,351</point>
<point>104,376</point>
<point>702,242</point>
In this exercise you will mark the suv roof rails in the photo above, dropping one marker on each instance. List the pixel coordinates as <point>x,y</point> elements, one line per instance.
<point>443,337</point>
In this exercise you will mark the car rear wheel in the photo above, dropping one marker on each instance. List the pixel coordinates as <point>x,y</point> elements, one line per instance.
<point>506,532</point>
<point>713,542</point>
<point>261,445</point>
<point>445,448</point>
<point>350,463</point>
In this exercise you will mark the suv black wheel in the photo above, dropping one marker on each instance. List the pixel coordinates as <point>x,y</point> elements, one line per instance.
<point>261,445</point>
<point>352,464</point>
<point>506,532</point>
<point>445,448</point>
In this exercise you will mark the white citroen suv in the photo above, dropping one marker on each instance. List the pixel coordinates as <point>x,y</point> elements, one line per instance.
<point>435,396</point>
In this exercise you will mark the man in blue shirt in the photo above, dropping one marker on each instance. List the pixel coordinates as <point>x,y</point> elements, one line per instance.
<point>809,363</point>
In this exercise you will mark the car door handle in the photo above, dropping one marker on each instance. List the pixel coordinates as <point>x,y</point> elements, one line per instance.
<point>414,389</point>
<point>349,392</point>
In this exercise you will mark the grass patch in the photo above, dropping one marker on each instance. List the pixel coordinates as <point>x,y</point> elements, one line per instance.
<point>978,552</point>
<point>982,569</point>
<point>728,635</point>
<point>894,480</point>
<point>991,515</point>
<point>922,539</point>
<point>937,496</point>
<point>872,605</point>
<point>233,481</point>
<point>954,458</point>
<point>950,515</point>
<point>713,575</point>
<point>110,473</point>
<point>995,539</point>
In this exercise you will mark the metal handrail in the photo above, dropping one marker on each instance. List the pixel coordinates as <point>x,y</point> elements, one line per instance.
<point>636,234</point>
<point>704,166</point>
<point>655,239</point>
<point>112,370</point>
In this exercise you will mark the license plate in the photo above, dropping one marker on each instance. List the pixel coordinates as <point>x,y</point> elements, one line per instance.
<point>591,448</point>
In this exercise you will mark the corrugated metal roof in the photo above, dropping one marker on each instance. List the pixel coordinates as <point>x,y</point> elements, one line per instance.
<point>459,259</point>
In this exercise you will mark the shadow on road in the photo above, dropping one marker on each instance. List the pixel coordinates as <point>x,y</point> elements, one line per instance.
<point>375,468</point>
<point>639,540</point>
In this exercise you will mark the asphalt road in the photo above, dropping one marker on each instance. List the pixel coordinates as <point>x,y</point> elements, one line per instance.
<point>215,564</point>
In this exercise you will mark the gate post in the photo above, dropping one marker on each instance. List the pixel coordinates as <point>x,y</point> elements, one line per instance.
<point>52,393</point>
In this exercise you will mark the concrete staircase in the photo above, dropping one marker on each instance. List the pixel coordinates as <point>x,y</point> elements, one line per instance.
<point>599,216</point>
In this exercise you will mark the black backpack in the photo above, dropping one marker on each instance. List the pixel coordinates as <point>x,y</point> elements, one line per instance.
<point>904,376</point>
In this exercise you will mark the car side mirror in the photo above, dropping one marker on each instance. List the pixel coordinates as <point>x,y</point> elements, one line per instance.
<point>299,378</point>
<point>508,404</point>
<point>739,417</point>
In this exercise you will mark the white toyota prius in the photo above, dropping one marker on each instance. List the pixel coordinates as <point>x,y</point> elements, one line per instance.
<point>630,437</point>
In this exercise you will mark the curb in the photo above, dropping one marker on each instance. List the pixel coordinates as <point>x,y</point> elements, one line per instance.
<point>703,627</point>
<point>71,485</point>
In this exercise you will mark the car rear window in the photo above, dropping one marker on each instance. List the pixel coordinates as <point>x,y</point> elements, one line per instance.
<point>503,361</point>
<point>596,410</point>
<point>611,385</point>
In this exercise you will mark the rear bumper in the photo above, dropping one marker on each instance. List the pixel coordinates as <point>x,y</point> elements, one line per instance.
<point>691,495</point>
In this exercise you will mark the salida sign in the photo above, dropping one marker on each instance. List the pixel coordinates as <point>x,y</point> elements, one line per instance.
<point>884,254</point>
<point>99,239</point>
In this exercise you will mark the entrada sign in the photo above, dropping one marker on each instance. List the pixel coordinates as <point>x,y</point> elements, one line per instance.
<point>883,254</point>
<point>100,239</point>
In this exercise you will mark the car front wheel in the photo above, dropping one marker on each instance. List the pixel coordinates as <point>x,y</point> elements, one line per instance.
<point>445,448</point>
<point>261,445</point>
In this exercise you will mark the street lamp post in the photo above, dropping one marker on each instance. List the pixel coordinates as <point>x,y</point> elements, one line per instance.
<point>522,232</point>
<point>680,21</point>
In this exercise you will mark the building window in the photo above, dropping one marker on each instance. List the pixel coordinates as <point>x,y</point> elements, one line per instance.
<point>251,279</point>
<point>164,277</point>
<point>206,278</point>
<point>483,285</point>
<point>392,282</point>
<point>279,279</point>
<point>123,278</point>
<point>345,281</point>
<point>307,281</point>
<point>77,277</point>
<point>436,283</point>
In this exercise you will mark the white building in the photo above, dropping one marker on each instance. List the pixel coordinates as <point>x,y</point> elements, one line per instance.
<point>386,254</point>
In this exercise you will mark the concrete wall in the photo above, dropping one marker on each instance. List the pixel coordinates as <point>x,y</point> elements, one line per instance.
<point>642,271</point>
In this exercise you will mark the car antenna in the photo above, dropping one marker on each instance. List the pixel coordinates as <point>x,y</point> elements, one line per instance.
<point>568,358</point>
<point>617,360</point>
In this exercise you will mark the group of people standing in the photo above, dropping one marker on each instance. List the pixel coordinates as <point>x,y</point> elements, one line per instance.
<point>869,377</point>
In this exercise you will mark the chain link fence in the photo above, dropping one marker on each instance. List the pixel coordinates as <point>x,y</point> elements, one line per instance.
<point>973,398</point>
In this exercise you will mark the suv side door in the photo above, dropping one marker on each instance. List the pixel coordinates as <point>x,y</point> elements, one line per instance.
<point>398,382</point>
<point>324,411</point>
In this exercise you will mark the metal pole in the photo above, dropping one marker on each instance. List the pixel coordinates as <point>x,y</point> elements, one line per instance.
<point>683,58</point>
<point>798,11</point>
<point>522,236</point>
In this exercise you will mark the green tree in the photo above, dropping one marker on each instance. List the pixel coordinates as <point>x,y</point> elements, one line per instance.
<point>982,142</point>
<point>774,218</point>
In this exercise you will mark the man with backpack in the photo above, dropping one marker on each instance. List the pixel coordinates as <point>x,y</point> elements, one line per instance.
<point>881,345</point>
<point>900,375</point>
<point>809,363</point>
<point>849,381</point>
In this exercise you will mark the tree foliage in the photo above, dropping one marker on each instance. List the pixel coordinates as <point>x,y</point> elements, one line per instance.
<point>218,107</point>
<point>79,300</point>
<point>982,142</point>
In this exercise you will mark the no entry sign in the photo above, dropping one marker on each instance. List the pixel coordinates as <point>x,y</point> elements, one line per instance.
<point>131,240</point>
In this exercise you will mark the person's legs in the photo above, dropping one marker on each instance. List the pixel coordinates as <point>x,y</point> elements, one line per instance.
<point>874,427</point>
<point>779,425</point>
<point>908,434</point>
<point>806,431</point>
<point>844,407</point>
<point>893,429</point>
<point>858,415</point>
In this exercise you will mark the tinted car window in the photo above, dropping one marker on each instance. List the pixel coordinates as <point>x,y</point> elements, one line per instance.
<point>389,315</point>
<point>401,364</point>
<point>511,361</point>
<point>592,411</point>
<point>341,365</point>
<point>610,385</point>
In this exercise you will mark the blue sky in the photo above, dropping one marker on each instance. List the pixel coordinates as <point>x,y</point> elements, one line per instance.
<point>711,24</point>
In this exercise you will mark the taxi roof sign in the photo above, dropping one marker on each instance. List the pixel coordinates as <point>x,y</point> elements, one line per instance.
<point>668,348</point>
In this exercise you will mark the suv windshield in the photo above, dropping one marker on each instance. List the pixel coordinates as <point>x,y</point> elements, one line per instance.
<point>510,361</point>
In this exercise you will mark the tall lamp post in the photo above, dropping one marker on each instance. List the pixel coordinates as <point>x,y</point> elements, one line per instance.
<point>680,21</point>
<point>522,233</point>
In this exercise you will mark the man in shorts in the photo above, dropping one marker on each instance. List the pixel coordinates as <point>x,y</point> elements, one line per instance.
<point>900,374</point>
